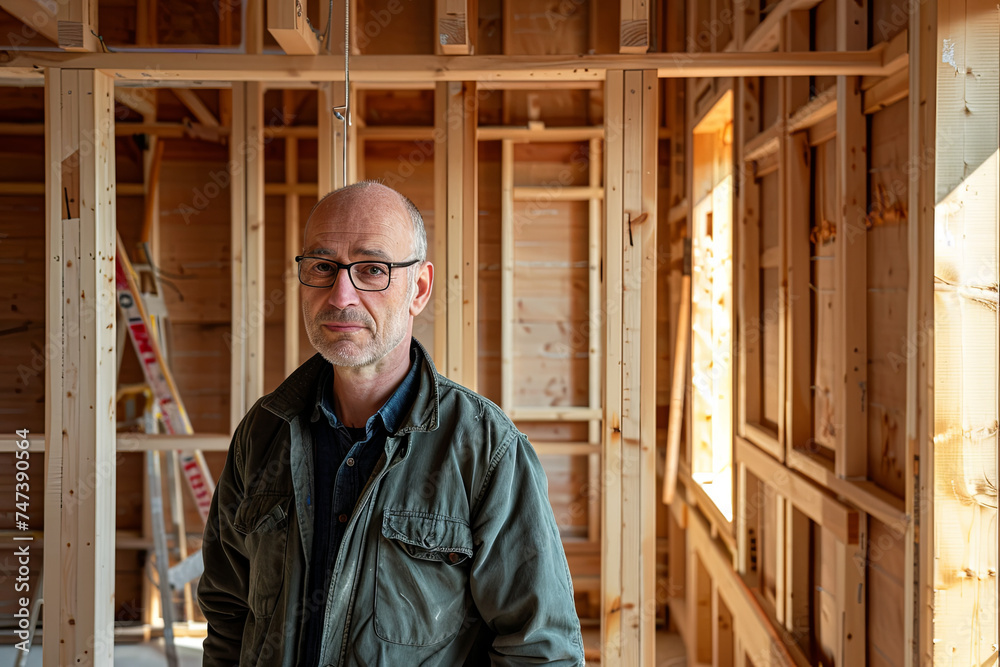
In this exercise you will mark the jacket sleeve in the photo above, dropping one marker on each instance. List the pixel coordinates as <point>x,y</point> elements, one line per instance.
<point>520,580</point>
<point>222,591</point>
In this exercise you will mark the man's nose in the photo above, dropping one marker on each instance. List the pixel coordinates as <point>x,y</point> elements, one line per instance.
<point>342,292</point>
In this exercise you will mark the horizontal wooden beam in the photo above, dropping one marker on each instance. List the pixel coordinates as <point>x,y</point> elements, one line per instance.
<point>557,193</point>
<point>863,494</point>
<point>815,111</point>
<point>565,414</point>
<point>887,91</point>
<point>176,67</point>
<point>206,442</point>
<point>566,448</point>
<point>764,144</point>
<point>16,188</point>
<point>809,498</point>
<point>524,133</point>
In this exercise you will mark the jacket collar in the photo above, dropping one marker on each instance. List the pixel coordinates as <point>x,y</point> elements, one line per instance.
<point>296,396</point>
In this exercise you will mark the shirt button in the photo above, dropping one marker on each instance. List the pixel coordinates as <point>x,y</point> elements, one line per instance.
<point>453,557</point>
<point>342,518</point>
<point>350,462</point>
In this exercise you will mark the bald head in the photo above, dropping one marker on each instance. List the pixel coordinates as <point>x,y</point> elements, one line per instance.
<point>372,195</point>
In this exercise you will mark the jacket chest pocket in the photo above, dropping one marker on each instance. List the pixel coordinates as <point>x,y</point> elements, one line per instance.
<point>263,520</point>
<point>421,588</point>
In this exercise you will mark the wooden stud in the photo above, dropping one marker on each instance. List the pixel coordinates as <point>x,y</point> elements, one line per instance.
<point>288,24</point>
<point>440,294</point>
<point>507,318</point>
<point>919,593</point>
<point>812,500</point>
<point>252,327</point>
<point>80,462</point>
<point>594,343</point>
<point>649,89</point>
<point>293,245</point>
<point>852,599</point>
<point>253,26</point>
<point>611,554</point>
<point>850,306</point>
<point>238,215</point>
<point>795,244</point>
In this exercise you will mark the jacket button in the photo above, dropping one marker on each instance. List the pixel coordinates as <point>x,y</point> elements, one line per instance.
<point>342,518</point>
<point>453,557</point>
<point>350,462</point>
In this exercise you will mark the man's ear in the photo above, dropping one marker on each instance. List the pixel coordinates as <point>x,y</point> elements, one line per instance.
<point>425,281</point>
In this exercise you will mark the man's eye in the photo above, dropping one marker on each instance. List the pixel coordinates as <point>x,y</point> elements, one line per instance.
<point>323,267</point>
<point>374,270</point>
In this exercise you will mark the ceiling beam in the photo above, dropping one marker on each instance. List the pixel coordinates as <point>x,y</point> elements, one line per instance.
<point>175,67</point>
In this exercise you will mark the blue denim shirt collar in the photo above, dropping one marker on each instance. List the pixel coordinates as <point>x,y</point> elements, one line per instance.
<point>392,412</point>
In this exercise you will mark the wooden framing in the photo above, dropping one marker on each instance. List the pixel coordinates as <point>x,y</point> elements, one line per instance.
<point>918,620</point>
<point>456,171</point>
<point>836,495</point>
<point>851,460</point>
<point>288,24</point>
<point>385,70</point>
<point>80,421</point>
<point>247,202</point>
<point>630,428</point>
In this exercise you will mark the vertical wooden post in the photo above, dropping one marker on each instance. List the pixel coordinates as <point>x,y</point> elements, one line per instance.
<point>238,215</point>
<point>795,244</point>
<point>331,175</point>
<point>918,579</point>
<point>81,374</point>
<point>611,555</point>
<point>851,300</point>
<point>440,295</point>
<point>461,226</point>
<point>293,244</point>
<point>629,546</point>
<point>507,275</point>
<point>247,210</point>
<point>595,168</point>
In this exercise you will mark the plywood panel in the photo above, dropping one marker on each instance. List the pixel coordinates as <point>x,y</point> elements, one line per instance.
<point>885,594</point>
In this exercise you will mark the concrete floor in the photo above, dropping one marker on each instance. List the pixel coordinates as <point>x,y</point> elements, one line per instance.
<point>669,652</point>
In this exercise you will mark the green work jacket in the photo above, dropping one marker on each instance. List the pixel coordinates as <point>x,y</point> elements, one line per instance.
<point>451,557</point>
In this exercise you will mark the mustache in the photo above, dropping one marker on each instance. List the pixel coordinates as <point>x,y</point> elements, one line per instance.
<point>345,317</point>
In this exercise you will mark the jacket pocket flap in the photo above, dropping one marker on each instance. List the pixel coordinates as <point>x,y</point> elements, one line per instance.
<point>428,533</point>
<point>260,514</point>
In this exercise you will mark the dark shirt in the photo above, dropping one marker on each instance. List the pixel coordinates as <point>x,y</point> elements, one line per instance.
<point>345,459</point>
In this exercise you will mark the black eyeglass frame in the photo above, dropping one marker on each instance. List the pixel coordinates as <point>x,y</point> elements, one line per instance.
<point>389,267</point>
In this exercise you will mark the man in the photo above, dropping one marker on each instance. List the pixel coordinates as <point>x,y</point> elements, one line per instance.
<point>372,512</point>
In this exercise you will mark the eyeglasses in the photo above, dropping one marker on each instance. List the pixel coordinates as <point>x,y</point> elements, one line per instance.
<point>366,276</point>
